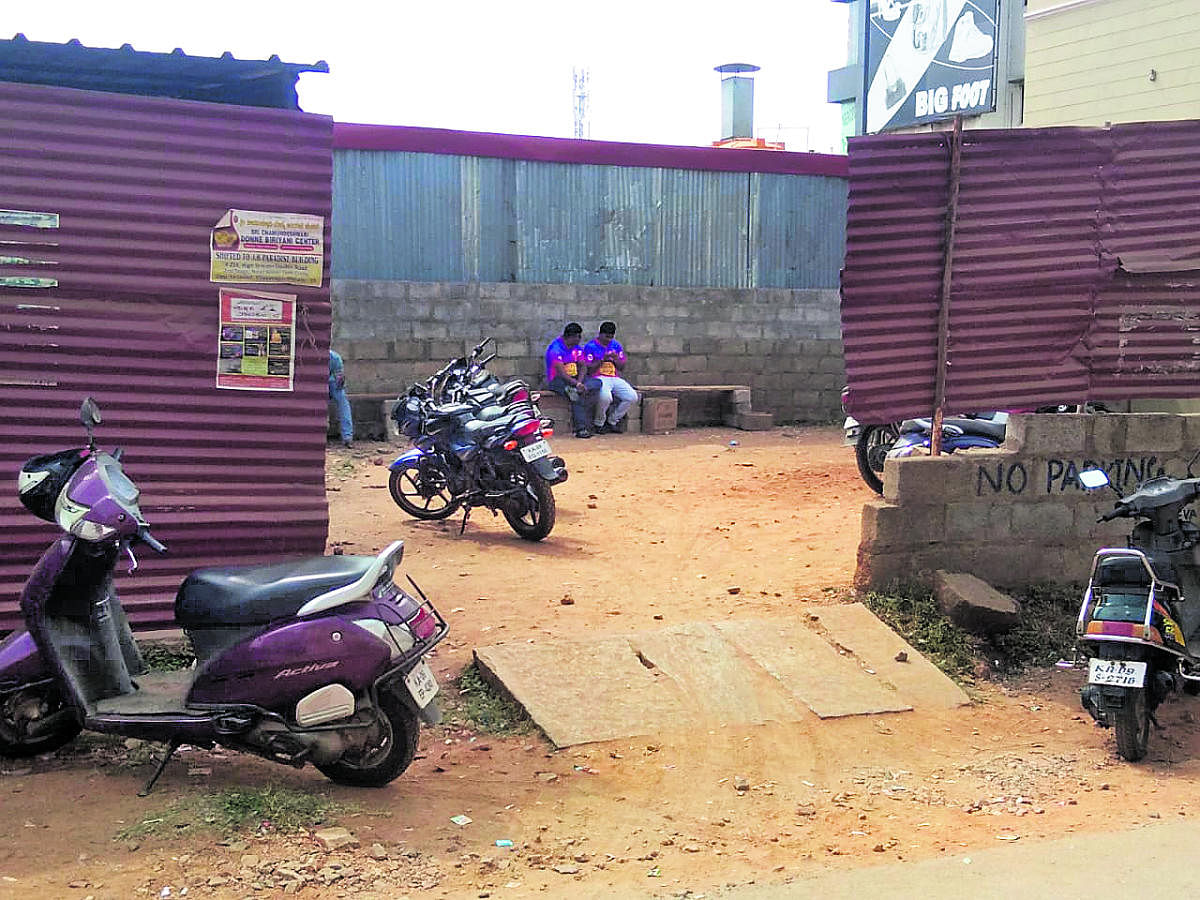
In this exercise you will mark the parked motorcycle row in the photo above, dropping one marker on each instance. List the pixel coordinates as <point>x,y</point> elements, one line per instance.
<point>874,443</point>
<point>477,441</point>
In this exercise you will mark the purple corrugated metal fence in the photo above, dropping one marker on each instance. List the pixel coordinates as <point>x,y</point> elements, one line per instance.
<point>1041,310</point>
<point>227,477</point>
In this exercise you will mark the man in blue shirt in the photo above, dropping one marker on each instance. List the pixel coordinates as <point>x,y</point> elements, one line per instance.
<point>565,375</point>
<point>605,358</point>
<point>337,393</point>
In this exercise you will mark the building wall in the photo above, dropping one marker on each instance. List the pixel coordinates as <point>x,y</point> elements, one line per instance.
<point>1089,63</point>
<point>422,216</point>
<point>1017,516</point>
<point>784,344</point>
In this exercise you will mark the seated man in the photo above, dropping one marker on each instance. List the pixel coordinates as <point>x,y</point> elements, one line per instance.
<point>564,375</point>
<point>605,359</point>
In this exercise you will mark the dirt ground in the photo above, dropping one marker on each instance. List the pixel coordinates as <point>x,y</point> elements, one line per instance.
<point>651,531</point>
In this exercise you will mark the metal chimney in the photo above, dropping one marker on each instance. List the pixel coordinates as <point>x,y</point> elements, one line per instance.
<point>737,100</point>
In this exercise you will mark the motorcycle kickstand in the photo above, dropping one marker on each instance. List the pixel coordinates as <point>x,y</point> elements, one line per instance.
<point>171,748</point>
<point>466,515</point>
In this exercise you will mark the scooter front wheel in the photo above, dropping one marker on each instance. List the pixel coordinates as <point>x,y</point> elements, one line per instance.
<point>386,752</point>
<point>35,721</point>
<point>1132,725</point>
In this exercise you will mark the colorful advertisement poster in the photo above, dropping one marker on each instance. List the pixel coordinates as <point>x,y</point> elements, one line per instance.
<point>929,60</point>
<point>267,248</point>
<point>256,341</point>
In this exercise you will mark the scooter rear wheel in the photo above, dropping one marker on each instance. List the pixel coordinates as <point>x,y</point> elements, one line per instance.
<point>16,713</point>
<point>1132,725</point>
<point>388,752</point>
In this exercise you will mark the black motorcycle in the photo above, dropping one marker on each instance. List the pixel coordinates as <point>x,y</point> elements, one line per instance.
<point>489,448</point>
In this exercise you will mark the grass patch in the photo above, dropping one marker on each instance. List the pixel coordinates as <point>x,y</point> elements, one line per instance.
<point>913,614</point>
<point>480,707</point>
<point>1044,634</point>
<point>270,808</point>
<point>168,656</point>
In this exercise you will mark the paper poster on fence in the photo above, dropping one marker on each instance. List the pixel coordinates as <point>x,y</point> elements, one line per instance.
<point>256,341</point>
<point>267,248</point>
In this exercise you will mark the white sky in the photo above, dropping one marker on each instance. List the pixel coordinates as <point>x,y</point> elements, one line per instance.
<point>504,66</point>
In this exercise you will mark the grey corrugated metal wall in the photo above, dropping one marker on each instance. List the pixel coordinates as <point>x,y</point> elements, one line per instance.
<point>408,216</point>
<point>226,476</point>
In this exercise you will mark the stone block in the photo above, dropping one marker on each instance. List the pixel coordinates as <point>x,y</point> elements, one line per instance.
<point>755,421</point>
<point>1048,519</point>
<point>1108,434</point>
<point>390,431</point>
<point>979,519</point>
<point>973,604</point>
<point>1158,433</point>
<point>659,415</point>
<point>741,399</point>
<point>930,479</point>
<point>1191,433</point>
<point>1048,434</point>
<point>887,527</point>
<point>693,363</point>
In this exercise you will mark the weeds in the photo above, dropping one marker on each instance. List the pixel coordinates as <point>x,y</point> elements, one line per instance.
<point>480,707</point>
<point>168,656</point>
<point>1046,631</point>
<point>1044,634</point>
<point>914,615</point>
<point>271,808</point>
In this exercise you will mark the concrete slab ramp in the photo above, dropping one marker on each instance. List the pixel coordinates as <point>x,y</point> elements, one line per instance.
<point>839,661</point>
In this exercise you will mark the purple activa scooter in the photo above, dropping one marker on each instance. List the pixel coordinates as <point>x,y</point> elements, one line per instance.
<point>318,660</point>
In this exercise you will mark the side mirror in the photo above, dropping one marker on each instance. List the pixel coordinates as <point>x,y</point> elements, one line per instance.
<point>89,415</point>
<point>1092,479</point>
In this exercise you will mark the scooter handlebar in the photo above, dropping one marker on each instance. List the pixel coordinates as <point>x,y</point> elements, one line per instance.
<point>150,540</point>
<point>1120,510</point>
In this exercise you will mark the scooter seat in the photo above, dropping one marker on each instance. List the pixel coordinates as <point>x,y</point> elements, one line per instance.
<point>257,595</point>
<point>981,427</point>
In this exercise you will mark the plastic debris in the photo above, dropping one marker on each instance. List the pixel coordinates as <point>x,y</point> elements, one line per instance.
<point>733,443</point>
<point>656,872</point>
<point>504,842</point>
<point>461,820</point>
<point>1064,664</point>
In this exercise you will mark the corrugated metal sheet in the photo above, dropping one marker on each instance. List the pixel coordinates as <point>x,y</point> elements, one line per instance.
<point>227,476</point>
<point>1039,312</point>
<point>435,217</point>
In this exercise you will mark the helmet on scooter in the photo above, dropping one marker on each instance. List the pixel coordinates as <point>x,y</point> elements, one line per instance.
<point>43,478</point>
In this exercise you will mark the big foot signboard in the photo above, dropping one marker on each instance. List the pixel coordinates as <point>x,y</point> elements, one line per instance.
<point>929,60</point>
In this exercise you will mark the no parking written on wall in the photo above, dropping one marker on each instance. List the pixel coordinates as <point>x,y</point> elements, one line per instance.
<point>256,341</point>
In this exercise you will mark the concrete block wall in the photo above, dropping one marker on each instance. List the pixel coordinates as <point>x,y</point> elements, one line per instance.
<point>785,344</point>
<point>1017,516</point>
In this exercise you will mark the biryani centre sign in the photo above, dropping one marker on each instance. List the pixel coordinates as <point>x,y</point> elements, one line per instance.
<point>929,60</point>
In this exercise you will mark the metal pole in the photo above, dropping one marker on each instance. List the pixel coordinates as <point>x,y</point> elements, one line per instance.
<point>939,384</point>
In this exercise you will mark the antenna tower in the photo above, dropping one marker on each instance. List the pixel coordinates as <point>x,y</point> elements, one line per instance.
<point>579,92</point>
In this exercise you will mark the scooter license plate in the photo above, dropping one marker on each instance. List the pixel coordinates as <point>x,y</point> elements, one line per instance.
<point>535,451</point>
<point>421,684</point>
<point>1120,672</point>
